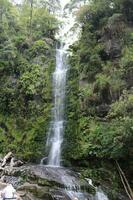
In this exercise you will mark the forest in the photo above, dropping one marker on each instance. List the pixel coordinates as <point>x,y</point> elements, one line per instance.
<point>100,95</point>
<point>27,59</point>
<point>99,88</point>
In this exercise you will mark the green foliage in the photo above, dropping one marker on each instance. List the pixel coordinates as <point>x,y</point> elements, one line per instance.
<point>30,80</point>
<point>26,63</point>
<point>96,12</point>
<point>127,59</point>
<point>23,137</point>
<point>123,107</point>
<point>104,140</point>
<point>39,47</point>
<point>99,100</point>
<point>102,81</point>
<point>103,85</point>
<point>45,22</point>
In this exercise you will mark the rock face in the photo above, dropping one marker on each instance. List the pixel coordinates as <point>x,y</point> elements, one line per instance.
<point>39,182</point>
<point>42,182</point>
<point>113,36</point>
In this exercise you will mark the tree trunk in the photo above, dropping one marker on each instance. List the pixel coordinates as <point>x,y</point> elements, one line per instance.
<point>31,16</point>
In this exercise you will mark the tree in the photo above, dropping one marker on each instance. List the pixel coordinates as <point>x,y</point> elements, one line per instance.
<point>26,64</point>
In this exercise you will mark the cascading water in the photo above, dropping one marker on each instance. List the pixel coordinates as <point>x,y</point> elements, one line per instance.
<point>56,131</point>
<point>55,136</point>
<point>57,125</point>
<point>100,195</point>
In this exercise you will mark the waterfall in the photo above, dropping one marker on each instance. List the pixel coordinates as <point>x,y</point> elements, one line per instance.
<point>100,195</point>
<point>66,36</point>
<point>57,125</point>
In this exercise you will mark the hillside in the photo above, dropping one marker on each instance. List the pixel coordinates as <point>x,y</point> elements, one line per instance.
<point>27,60</point>
<point>85,112</point>
<point>100,85</point>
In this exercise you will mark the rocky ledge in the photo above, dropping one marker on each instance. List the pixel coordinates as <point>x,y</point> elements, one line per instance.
<point>36,182</point>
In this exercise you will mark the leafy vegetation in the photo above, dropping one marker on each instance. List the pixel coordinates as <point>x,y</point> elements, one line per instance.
<point>27,48</point>
<point>99,104</point>
<point>99,100</point>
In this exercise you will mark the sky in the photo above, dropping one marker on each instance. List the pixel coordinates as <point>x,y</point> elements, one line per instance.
<point>63,2</point>
<point>16,1</point>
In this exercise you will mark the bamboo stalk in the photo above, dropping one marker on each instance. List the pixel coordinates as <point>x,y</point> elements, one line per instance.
<point>125,182</point>
<point>130,190</point>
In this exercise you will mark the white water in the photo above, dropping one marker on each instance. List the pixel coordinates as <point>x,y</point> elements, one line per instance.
<point>56,131</point>
<point>100,195</point>
<point>57,125</point>
<point>67,36</point>
<point>77,194</point>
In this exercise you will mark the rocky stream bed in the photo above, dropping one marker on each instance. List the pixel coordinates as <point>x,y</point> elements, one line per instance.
<point>34,182</point>
<point>42,182</point>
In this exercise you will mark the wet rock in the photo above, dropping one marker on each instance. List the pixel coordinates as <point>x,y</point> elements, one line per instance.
<point>15,163</point>
<point>42,182</point>
<point>10,160</point>
<point>2,185</point>
<point>29,196</point>
<point>6,158</point>
<point>60,195</point>
<point>35,190</point>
